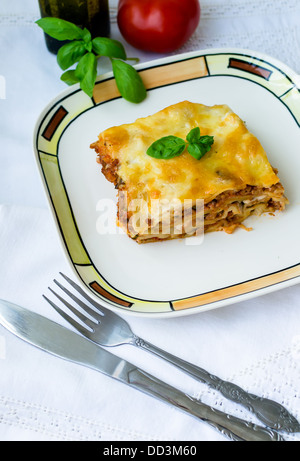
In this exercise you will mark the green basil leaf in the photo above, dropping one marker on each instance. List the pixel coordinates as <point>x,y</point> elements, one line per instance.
<point>199,149</point>
<point>70,53</point>
<point>88,46</point>
<point>167,147</point>
<point>104,46</point>
<point>207,141</point>
<point>128,81</point>
<point>60,29</point>
<point>69,77</point>
<point>196,150</point>
<point>86,36</point>
<point>86,72</point>
<point>194,135</point>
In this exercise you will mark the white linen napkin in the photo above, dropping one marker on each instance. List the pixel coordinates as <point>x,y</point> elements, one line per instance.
<point>255,343</point>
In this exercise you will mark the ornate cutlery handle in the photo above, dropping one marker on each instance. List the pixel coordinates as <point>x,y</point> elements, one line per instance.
<point>234,428</point>
<point>269,412</point>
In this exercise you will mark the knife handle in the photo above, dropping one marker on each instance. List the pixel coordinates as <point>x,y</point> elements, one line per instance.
<point>234,428</point>
<point>269,412</point>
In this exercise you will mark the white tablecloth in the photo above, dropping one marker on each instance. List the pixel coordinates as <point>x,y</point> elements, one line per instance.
<point>254,343</point>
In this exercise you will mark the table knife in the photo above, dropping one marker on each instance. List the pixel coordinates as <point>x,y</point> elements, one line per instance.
<point>64,343</point>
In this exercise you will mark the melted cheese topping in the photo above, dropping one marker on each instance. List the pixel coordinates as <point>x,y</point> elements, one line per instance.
<point>235,160</point>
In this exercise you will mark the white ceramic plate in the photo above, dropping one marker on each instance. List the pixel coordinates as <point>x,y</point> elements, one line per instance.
<point>174,278</point>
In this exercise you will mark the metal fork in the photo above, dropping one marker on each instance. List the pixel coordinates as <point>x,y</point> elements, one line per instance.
<point>106,328</point>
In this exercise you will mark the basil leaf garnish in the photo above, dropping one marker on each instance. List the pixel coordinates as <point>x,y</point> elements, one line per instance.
<point>70,53</point>
<point>128,81</point>
<point>85,51</point>
<point>107,47</point>
<point>171,146</point>
<point>200,148</point>
<point>86,72</point>
<point>166,147</point>
<point>194,135</point>
<point>69,77</point>
<point>196,151</point>
<point>60,29</point>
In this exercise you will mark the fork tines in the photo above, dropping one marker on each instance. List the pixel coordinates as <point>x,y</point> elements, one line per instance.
<point>89,320</point>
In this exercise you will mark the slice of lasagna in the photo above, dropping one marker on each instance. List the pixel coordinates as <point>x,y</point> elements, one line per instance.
<point>231,182</point>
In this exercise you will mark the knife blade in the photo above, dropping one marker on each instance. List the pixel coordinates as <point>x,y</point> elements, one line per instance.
<point>65,344</point>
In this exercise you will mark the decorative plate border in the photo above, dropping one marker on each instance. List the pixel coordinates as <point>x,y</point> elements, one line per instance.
<point>259,69</point>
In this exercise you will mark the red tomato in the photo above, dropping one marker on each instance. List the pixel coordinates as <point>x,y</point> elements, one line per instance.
<point>161,26</point>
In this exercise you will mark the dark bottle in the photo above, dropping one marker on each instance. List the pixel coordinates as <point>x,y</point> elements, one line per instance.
<point>92,14</point>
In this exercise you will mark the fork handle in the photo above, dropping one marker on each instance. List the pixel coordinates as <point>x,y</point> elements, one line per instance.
<point>234,428</point>
<point>269,412</point>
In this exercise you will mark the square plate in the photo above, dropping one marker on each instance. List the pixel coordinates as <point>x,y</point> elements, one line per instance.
<point>173,277</point>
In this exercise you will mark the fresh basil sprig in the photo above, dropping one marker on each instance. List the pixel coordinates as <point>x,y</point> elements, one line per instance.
<point>167,147</point>
<point>171,146</point>
<point>84,51</point>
